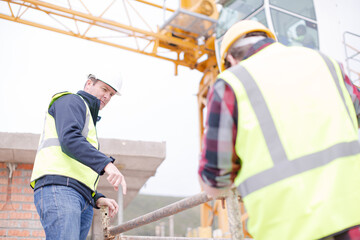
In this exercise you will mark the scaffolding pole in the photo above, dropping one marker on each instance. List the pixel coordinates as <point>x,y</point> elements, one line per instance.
<point>179,206</point>
<point>234,215</point>
<point>166,238</point>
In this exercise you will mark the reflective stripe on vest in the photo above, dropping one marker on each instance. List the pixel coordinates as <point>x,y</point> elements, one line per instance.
<point>50,160</point>
<point>50,142</point>
<point>287,168</point>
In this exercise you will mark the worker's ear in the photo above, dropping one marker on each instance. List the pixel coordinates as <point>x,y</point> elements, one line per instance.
<point>88,84</point>
<point>233,61</point>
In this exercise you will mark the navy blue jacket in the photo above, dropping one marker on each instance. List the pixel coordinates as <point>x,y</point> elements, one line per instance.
<point>69,112</point>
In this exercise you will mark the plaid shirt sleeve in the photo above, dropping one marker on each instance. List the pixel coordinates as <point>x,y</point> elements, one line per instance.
<point>219,163</point>
<point>354,92</point>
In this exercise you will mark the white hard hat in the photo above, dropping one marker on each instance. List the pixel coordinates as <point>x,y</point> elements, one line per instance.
<point>114,80</point>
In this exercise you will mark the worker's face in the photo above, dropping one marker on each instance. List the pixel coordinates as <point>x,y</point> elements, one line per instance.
<point>101,91</point>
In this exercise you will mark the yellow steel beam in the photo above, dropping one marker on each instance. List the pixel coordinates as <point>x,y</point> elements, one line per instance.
<point>156,5</point>
<point>101,22</point>
<point>178,62</point>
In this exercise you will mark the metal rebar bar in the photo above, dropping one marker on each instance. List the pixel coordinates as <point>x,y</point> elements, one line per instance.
<point>166,211</point>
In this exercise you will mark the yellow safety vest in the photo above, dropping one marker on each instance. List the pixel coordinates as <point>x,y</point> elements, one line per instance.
<point>298,142</point>
<point>51,160</point>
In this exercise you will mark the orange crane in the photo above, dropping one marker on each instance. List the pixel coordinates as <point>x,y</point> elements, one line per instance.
<point>186,38</point>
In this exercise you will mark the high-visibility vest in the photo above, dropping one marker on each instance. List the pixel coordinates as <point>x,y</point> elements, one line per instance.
<point>297,139</point>
<point>51,160</point>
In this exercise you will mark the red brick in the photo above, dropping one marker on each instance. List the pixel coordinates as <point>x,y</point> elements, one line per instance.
<point>28,190</point>
<point>25,178</point>
<point>29,224</point>
<point>3,181</point>
<point>22,181</point>
<point>24,224</point>
<point>28,207</point>
<point>2,165</point>
<point>25,166</point>
<point>4,173</point>
<point>3,197</point>
<point>27,182</point>
<point>33,224</point>
<point>3,189</point>
<point>4,215</point>
<point>26,174</point>
<point>16,205</point>
<point>20,215</point>
<point>22,173</point>
<point>16,173</point>
<point>9,223</point>
<point>36,216</point>
<point>8,206</point>
<point>22,198</point>
<point>16,189</point>
<point>18,233</point>
<point>2,232</point>
<point>38,233</point>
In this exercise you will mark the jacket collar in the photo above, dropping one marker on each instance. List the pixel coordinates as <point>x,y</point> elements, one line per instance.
<point>258,46</point>
<point>93,103</point>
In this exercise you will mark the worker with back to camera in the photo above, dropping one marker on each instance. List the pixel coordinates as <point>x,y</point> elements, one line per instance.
<point>68,162</point>
<point>282,126</point>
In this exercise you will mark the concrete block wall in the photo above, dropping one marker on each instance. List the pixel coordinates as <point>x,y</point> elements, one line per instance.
<point>18,215</point>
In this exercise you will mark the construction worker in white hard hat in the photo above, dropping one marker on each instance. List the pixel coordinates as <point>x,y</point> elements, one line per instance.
<point>282,127</point>
<point>68,162</point>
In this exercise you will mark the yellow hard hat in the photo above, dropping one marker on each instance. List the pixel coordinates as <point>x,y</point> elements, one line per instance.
<point>237,31</point>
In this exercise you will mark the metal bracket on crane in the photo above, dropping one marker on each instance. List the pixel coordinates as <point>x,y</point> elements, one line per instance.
<point>194,25</point>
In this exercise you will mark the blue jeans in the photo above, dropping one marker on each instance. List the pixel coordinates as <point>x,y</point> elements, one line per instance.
<point>64,213</point>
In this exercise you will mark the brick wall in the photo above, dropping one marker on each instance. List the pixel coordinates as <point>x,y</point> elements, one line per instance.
<point>18,216</point>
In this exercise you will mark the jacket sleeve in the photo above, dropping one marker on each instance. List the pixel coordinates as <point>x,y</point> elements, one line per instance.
<point>96,197</point>
<point>69,113</point>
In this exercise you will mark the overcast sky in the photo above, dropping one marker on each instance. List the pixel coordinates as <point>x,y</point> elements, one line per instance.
<point>156,105</point>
